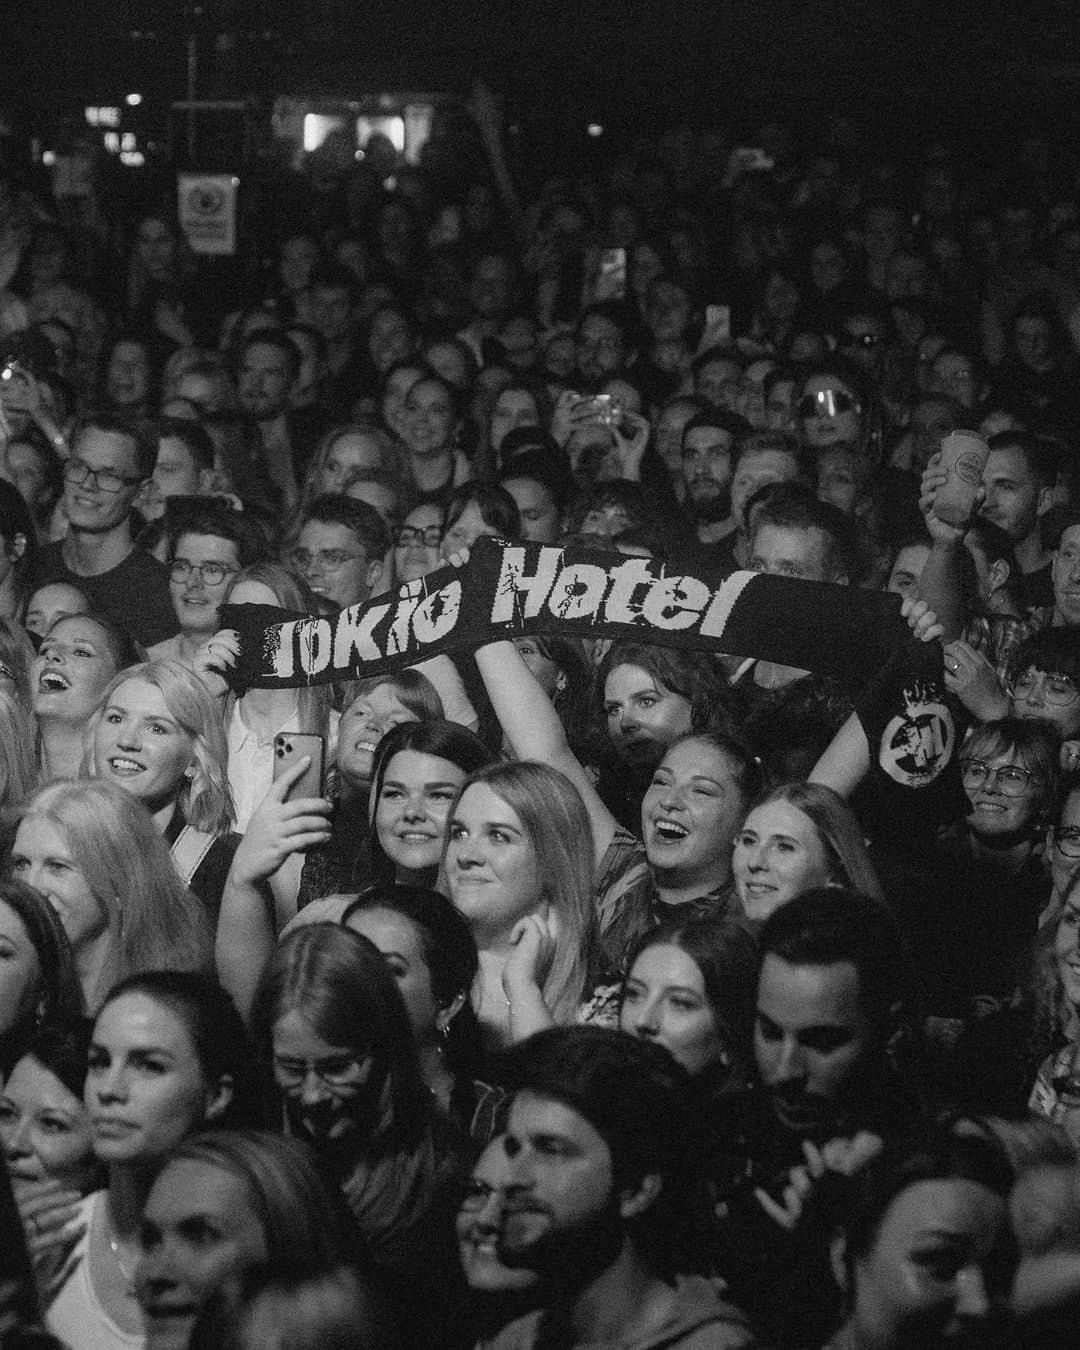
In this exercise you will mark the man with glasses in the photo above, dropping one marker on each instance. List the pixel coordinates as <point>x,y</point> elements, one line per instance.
<point>341,549</point>
<point>111,460</point>
<point>211,543</point>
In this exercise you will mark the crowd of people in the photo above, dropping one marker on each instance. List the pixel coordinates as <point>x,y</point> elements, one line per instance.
<point>560,992</point>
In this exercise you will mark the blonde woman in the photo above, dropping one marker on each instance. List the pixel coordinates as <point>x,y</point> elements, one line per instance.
<point>92,850</point>
<point>158,734</point>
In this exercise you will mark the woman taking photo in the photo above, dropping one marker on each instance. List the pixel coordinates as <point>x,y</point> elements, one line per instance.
<point>92,850</point>
<point>167,1055</point>
<point>418,769</point>
<point>157,734</point>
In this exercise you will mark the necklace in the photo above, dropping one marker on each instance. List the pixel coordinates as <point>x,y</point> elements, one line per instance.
<point>127,1274</point>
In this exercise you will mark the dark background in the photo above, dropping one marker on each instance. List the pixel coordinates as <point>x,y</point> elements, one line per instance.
<point>635,65</point>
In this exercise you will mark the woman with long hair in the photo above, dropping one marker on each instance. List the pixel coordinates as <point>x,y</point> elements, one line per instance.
<point>92,850</point>
<point>331,1024</point>
<point>796,837</point>
<point>519,864</point>
<point>157,734</point>
<point>416,773</point>
<point>269,1209</point>
<point>168,1055</point>
<point>691,987</point>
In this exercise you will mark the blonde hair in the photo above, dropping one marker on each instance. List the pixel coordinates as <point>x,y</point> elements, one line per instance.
<point>203,799</point>
<point>18,755</point>
<point>390,451</point>
<point>153,920</point>
<point>557,826</point>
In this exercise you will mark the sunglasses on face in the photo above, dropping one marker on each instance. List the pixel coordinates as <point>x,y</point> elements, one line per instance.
<point>827,403</point>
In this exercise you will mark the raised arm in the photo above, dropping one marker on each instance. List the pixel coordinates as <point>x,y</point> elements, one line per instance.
<point>533,730</point>
<point>247,926</point>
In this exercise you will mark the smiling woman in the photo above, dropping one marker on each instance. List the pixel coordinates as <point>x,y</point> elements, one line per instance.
<point>78,657</point>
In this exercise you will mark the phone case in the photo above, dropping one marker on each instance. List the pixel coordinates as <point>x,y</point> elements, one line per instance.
<point>290,746</point>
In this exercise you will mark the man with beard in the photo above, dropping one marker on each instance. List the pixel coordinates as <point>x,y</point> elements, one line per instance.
<point>599,1199</point>
<point>708,457</point>
<point>267,372</point>
<point>834,1052</point>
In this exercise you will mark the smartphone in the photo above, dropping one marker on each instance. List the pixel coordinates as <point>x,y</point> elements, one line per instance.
<point>718,321</point>
<point>607,409</point>
<point>16,387</point>
<point>611,277</point>
<point>290,746</point>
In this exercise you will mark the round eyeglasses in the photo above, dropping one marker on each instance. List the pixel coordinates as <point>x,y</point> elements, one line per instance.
<point>1011,779</point>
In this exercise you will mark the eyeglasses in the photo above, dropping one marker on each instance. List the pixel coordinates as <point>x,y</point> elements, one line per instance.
<point>1058,691</point>
<point>827,403</point>
<point>1010,778</point>
<point>209,573</point>
<point>430,536</point>
<point>1067,842</point>
<point>338,1071</point>
<point>866,340</point>
<point>77,471</point>
<point>328,559</point>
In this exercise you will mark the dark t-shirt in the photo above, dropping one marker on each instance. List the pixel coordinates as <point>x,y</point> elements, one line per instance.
<point>134,595</point>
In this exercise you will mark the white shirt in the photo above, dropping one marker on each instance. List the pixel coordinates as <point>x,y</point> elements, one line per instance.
<point>76,1315</point>
<point>251,761</point>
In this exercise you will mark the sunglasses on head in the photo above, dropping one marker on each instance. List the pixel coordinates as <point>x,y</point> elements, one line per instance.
<point>826,403</point>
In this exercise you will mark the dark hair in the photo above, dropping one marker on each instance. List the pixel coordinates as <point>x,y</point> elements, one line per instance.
<point>725,951</point>
<point>63,1048</point>
<point>830,925</point>
<point>438,737</point>
<point>15,516</point>
<point>634,1095</point>
<point>272,337</point>
<point>1056,651</point>
<point>212,516</point>
<point>130,428</point>
<point>780,443</point>
<point>937,1152</point>
<point>1038,452</point>
<point>343,987</point>
<point>328,275</point>
<point>59,996</point>
<point>331,1309</point>
<point>535,465</point>
<point>450,954</point>
<point>692,674</point>
<point>363,520</point>
<point>194,437</point>
<point>794,507</point>
<point>718,419</point>
<point>217,1032</point>
<point>497,508</point>
<point>718,352</point>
